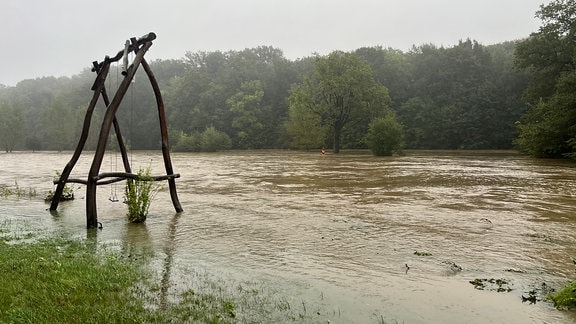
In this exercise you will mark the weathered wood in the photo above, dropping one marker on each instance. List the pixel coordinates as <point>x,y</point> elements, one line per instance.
<point>134,46</point>
<point>139,47</point>
<point>127,175</point>
<point>91,211</point>
<point>101,77</point>
<point>164,135</point>
<point>120,176</point>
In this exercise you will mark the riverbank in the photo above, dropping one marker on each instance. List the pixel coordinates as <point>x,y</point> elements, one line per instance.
<point>66,280</point>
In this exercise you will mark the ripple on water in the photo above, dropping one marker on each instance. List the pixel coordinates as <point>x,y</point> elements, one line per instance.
<point>349,225</point>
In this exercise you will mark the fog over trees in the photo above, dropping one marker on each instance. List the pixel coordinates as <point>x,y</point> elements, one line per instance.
<point>467,96</point>
<point>515,94</point>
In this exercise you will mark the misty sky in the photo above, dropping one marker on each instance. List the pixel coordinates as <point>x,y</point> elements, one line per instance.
<point>62,37</point>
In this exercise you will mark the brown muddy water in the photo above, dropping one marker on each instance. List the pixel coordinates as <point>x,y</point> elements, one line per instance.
<point>340,230</point>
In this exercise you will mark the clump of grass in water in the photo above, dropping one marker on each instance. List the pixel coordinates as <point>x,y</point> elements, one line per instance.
<point>565,298</point>
<point>67,191</point>
<point>16,190</point>
<point>139,194</point>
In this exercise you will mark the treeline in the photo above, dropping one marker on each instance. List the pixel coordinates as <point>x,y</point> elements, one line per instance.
<point>467,96</point>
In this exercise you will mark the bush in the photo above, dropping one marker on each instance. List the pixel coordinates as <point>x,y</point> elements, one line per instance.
<point>213,140</point>
<point>385,136</point>
<point>139,194</point>
<point>210,140</point>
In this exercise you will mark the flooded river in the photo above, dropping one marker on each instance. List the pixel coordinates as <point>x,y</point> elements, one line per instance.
<point>396,239</point>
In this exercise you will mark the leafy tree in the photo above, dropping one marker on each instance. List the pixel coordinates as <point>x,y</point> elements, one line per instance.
<point>343,92</point>
<point>11,126</point>
<point>248,114</point>
<point>548,129</point>
<point>303,126</point>
<point>210,140</point>
<point>58,129</point>
<point>385,136</point>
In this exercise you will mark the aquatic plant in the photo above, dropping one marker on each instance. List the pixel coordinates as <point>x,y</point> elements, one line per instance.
<point>498,285</point>
<point>16,190</point>
<point>139,194</point>
<point>67,191</point>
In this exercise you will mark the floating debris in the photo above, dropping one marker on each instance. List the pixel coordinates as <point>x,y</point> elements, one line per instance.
<point>452,266</point>
<point>498,285</point>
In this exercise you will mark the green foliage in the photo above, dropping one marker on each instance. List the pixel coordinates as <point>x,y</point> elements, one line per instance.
<point>341,91</point>
<point>139,194</point>
<point>11,126</point>
<point>303,125</point>
<point>466,96</point>
<point>67,191</point>
<point>385,136</point>
<point>210,140</point>
<point>248,115</point>
<point>17,191</point>
<point>565,298</point>
<point>547,129</point>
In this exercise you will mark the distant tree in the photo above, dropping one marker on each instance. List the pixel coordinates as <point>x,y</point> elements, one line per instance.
<point>248,115</point>
<point>210,140</point>
<point>213,140</point>
<point>304,126</point>
<point>342,92</point>
<point>59,128</point>
<point>11,126</point>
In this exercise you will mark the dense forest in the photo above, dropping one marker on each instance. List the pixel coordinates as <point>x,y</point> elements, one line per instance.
<point>465,96</point>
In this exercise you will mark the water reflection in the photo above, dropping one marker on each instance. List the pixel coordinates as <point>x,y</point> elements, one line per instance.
<point>347,225</point>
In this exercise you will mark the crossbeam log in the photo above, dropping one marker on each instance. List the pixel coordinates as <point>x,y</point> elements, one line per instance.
<point>119,176</point>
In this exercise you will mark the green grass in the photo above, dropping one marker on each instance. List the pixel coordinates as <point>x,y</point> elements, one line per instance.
<point>61,280</point>
<point>66,281</point>
<point>566,297</point>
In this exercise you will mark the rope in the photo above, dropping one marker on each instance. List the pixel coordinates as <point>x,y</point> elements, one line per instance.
<point>113,165</point>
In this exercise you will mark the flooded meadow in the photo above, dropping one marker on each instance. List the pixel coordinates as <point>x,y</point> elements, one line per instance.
<point>428,237</point>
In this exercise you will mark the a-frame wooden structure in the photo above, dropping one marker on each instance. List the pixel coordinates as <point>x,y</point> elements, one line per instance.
<point>139,47</point>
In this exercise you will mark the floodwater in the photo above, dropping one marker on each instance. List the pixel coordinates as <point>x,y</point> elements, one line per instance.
<point>396,239</point>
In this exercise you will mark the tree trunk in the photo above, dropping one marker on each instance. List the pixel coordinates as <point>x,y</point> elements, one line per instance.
<point>337,140</point>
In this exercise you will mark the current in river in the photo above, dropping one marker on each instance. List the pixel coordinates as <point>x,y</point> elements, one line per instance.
<point>397,239</point>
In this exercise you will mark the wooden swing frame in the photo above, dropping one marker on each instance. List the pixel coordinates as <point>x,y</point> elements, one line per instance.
<point>139,47</point>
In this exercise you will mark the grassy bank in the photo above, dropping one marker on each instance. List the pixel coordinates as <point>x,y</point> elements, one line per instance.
<point>62,280</point>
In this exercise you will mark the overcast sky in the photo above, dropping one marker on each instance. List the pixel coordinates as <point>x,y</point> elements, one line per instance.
<point>62,37</point>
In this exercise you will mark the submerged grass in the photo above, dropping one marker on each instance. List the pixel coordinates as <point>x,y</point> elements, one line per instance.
<point>62,280</point>
<point>17,191</point>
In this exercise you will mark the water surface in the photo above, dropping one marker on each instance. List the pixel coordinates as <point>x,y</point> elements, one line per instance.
<point>343,228</point>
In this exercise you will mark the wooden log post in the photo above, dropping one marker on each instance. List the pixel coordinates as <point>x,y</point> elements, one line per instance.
<point>164,135</point>
<point>98,88</point>
<point>91,210</point>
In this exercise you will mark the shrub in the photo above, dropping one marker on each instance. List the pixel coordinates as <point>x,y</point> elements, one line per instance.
<point>210,140</point>
<point>385,136</point>
<point>138,195</point>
